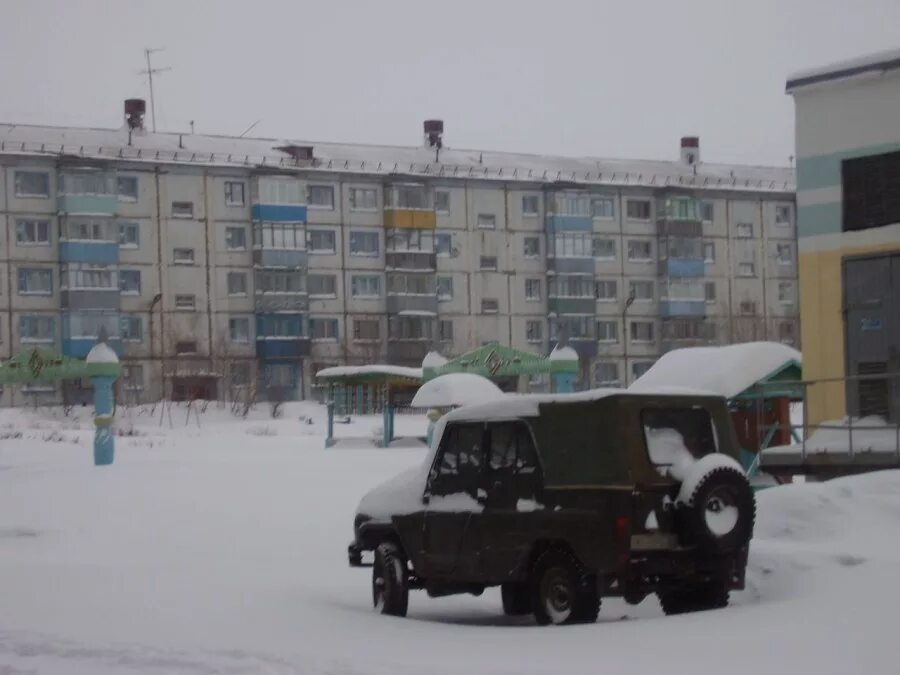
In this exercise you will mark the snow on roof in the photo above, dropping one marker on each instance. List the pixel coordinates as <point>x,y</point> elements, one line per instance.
<point>877,62</point>
<point>101,353</point>
<point>377,369</point>
<point>456,389</point>
<point>433,360</point>
<point>564,353</point>
<point>382,160</point>
<point>727,371</point>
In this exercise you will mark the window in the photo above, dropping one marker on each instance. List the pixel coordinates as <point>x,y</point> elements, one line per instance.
<point>32,184</point>
<point>132,328</point>
<point>746,269</point>
<point>321,196</point>
<point>133,377</point>
<point>707,211</point>
<point>363,199</point>
<point>606,374</point>
<point>408,197</point>
<point>786,332</point>
<point>573,327</point>
<point>234,193</point>
<point>443,244</point>
<point>568,204</point>
<point>186,347</point>
<point>608,331</point>
<point>322,285</point>
<point>130,282</point>
<point>639,251</point>
<point>744,230</point>
<point>642,331</point>
<point>279,326</point>
<point>786,292</point>
<point>320,241</point>
<point>279,376</point>
<point>364,244</point>
<point>784,254</point>
<point>280,191</point>
<point>487,221</point>
<point>88,277</point>
<point>127,188</point>
<point>606,290</point>
<point>129,235</point>
<point>870,189</point>
<point>533,290</point>
<point>183,256</point>
<point>88,230</point>
<point>459,463</point>
<point>37,328</point>
<point>709,251</point>
<point>410,240</point>
<point>323,329</point>
<point>445,330</point>
<point>445,288</point>
<point>604,249</point>
<point>239,330</point>
<point>641,290</point>
<point>530,204</point>
<point>638,209</point>
<point>571,245</point>
<point>784,215</point>
<point>487,262</point>
<point>182,209</point>
<point>32,232</point>
<point>280,236</point>
<point>235,238</point>
<point>442,201</point>
<point>532,247</point>
<point>280,281</point>
<point>570,286</point>
<point>709,290</point>
<point>365,286</point>
<point>35,281</point>
<point>237,283</point>
<point>410,327</point>
<point>638,368</point>
<point>512,451</point>
<point>489,306</point>
<point>410,284</point>
<point>185,301</point>
<point>603,207</point>
<point>747,307</point>
<point>534,331</point>
<point>366,329</point>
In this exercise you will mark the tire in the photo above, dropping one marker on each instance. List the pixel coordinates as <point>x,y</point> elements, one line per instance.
<point>390,581</point>
<point>719,515</point>
<point>516,599</point>
<point>713,595</point>
<point>561,593</point>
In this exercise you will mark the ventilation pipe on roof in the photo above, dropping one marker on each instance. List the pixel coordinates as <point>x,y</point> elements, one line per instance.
<point>690,150</point>
<point>434,135</point>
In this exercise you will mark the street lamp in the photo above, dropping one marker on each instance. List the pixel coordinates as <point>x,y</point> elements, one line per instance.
<point>628,301</point>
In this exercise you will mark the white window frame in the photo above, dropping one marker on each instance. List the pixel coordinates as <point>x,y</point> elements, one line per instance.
<point>642,242</point>
<point>127,198</point>
<point>235,228</point>
<point>321,251</point>
<point>179,214</point>
<point>365,279</point>
<point>635,200</point>
<point>355,192</point>
<point>444,297</point>
<point>185,302</point>
<point>530,285</point>
<point>34,224</point>
<point>486,221</point>
<point>310,190</point>
<point>123,273</point>
<point>365,235</point>
<point>326,294</point>
<point>234,275</point>
<point>239,321</point>
<point>180,256</point>
<point>30,195</point>
<point>537,205</point>
<point>230,200</point>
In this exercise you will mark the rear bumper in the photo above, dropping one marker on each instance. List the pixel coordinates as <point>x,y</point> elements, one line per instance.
<point>686,565</point>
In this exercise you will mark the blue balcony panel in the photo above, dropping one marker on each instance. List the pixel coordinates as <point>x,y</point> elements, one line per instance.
<point>687,308</point>
<point>282,347</point>
<point>98,252</point>
<point>278,213</point>
<point>78,348</point>
<point>556,223</point>
<point>87,204</point>
<point>570,265</point>
<point>272,257</point>
<point>688,268</point>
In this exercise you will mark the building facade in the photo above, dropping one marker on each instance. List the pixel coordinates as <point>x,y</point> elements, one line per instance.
<point>220,266</point>
<point>848,196</point>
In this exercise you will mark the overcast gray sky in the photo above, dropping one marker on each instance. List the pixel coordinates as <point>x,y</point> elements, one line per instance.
<point>614,79</point>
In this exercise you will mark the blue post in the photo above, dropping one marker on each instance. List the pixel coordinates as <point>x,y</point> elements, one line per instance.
<point>104,441</point>
<point>329,439</point>
<point>387,415</point>
<point>563,383</point>
<point>360,399</point>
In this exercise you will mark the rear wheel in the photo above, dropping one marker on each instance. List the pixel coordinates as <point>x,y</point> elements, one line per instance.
<point>712,595</point>
<point>561,592</point>
<point>516,600</point>
<point>390,580</point>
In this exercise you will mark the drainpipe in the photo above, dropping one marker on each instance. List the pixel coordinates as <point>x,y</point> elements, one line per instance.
<point>153,303</point>
<point>159,269</point>
<point>628,302</point>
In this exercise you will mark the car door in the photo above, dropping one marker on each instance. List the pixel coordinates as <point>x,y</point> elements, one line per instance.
<point>451,501</point>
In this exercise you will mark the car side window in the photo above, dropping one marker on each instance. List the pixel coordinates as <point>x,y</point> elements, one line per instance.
<point>469,444</point>
<point>503,446</point>
<point>526,457</point>
<point>458,466</point>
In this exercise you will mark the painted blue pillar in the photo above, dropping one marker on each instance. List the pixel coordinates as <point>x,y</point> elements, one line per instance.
<point>360,399</point>
<point>387,421</point>
<point>329,439</point>
<point>104,440</point>
<point>563,383</point>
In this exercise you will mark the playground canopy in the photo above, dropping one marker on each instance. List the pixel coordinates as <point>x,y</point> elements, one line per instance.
<point>497,361</point>
<point>41,365</point>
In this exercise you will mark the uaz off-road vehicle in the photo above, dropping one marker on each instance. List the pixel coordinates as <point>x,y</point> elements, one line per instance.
<point>563,500</point>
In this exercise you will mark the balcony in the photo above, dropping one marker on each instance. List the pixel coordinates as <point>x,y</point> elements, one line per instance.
<point>564,223</point>
<point>682,267</point>
<point>278,213</point>
<point>80,331</point>
<point>272,257</point>
<point>419,261</point>
<point>678,210</point>
<point>104,205</point>
<point>281,302</point>
<point>78,348</point>
<point>678,308</point>
<point>92,298</point>
<point>409,219</point>
<point>96,252</point>
<point>282,347</point>
<point>583,265</point>
<point>407,352</point>
<point>410,305</point>
<point>571,306</point>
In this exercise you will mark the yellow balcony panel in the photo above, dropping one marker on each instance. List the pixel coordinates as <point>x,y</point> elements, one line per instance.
<point>409,219</point>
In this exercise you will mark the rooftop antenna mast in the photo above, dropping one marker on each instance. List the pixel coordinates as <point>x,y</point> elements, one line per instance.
<point>150,72</point>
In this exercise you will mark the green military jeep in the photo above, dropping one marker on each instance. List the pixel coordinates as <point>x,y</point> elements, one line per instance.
<point>561,500</point>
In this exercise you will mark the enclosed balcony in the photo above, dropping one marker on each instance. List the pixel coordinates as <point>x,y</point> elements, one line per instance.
<point>420,261</point>
<point>569,211</point>
<point>89,286</point>
<point>411,294</point>
<point>87,192</point>
<point>409,205</point>
<point>681,209</point>
<point>278,290</point>
<point>281,336</point>
<point>81,330</point>
<point>277,199</point>
<point>85,239</point>
<point>279,245</point>
<point>570,253</point>
<point>681,257</point>
<point>409,338</point>
<point>571,294</point>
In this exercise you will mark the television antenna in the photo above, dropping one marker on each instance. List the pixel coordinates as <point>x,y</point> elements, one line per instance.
<point>150,72</point>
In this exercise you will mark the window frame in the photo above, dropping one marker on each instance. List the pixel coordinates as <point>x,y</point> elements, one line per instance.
<point>355,238</point>
<point>30,195</point>
<point>183,214</point>
<point>231,229</point>
<point>126,197</point>
<point>310,233</point>
<point>230,200</point>
<point>130,225</point>
<point>184,259</point>
<point>235,274</point>
<point>35,224</point>
<point>234,321</point>
<point>312,189</point>
<point>25,271</point>
<point>638,201</point>
<point>126,273</point>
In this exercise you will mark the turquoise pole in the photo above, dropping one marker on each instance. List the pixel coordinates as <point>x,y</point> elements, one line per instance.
<point>329,439</point>
<point>563,383</point>
<point>104,440</point>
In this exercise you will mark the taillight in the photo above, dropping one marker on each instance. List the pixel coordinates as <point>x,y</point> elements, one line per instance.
<point>622,528</point>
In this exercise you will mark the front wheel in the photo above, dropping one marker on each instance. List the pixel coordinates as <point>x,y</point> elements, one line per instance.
<point>390,580</point>
<point>560,591</point>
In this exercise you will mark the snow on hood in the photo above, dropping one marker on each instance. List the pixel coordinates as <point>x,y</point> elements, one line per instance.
<point>727,371</point>
<point>401,494</point>
<point>456,389</point>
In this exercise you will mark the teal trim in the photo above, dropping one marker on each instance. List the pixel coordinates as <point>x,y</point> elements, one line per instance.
<point>816,219</point>
<point>87,204</point>
<point>822,171</point>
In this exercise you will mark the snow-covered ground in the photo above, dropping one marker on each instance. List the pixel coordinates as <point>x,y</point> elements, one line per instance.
<point>222,549</point>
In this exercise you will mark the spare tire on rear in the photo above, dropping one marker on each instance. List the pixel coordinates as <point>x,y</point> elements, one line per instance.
<point>716,507</point>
